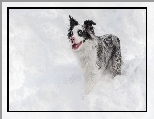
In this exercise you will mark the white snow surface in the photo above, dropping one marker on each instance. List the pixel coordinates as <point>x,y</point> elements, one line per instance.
<point>45,75</point>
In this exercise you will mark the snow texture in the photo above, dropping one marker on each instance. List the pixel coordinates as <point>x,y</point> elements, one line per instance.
<point>45,75</point>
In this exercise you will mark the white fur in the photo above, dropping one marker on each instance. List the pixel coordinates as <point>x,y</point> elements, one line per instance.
<point>87,57</point>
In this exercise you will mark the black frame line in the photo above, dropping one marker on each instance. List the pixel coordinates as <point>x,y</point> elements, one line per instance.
<point>67,8</point>
<point>7,59</point>
<point>77,7</point>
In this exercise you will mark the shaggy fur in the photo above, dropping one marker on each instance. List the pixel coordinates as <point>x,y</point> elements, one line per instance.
<point>97,55</point>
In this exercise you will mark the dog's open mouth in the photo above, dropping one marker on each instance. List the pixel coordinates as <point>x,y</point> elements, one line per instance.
<point>76,46</point>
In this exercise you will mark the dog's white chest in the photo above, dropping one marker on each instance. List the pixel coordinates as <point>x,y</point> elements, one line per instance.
<point>87,57</point>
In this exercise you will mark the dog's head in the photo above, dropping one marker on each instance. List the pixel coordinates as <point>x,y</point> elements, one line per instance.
<point>78,34</point>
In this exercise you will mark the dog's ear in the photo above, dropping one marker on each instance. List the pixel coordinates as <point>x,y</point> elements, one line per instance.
<point>88,25</point>
<point>73,23</point>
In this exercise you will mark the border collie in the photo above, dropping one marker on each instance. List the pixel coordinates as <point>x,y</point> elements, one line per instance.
<point>97,55</point>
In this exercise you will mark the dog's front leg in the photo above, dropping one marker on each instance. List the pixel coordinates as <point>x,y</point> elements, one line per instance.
<point>90,82</point>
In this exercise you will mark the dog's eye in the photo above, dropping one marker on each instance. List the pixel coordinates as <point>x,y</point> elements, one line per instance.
<point>70,34</point>
<point>80,32</point>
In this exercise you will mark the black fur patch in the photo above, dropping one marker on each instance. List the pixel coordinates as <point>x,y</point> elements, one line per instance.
<point>73,23</point>
<point>88,26</point>
<point>86,35</point>
<point>109,53</point>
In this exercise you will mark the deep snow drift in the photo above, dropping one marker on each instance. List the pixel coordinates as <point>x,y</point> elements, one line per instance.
<point>45,75</point>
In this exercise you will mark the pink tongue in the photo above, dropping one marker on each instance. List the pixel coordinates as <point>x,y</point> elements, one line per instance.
<point>75,45</point>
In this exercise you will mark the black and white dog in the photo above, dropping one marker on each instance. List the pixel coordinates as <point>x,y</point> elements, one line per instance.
<point>96,54</point>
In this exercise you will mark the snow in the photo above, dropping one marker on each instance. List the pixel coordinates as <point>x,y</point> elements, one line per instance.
<point>45,75</point>
<point>44,70</point>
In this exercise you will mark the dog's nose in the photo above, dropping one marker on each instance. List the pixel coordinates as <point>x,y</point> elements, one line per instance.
<point>72,39</point>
